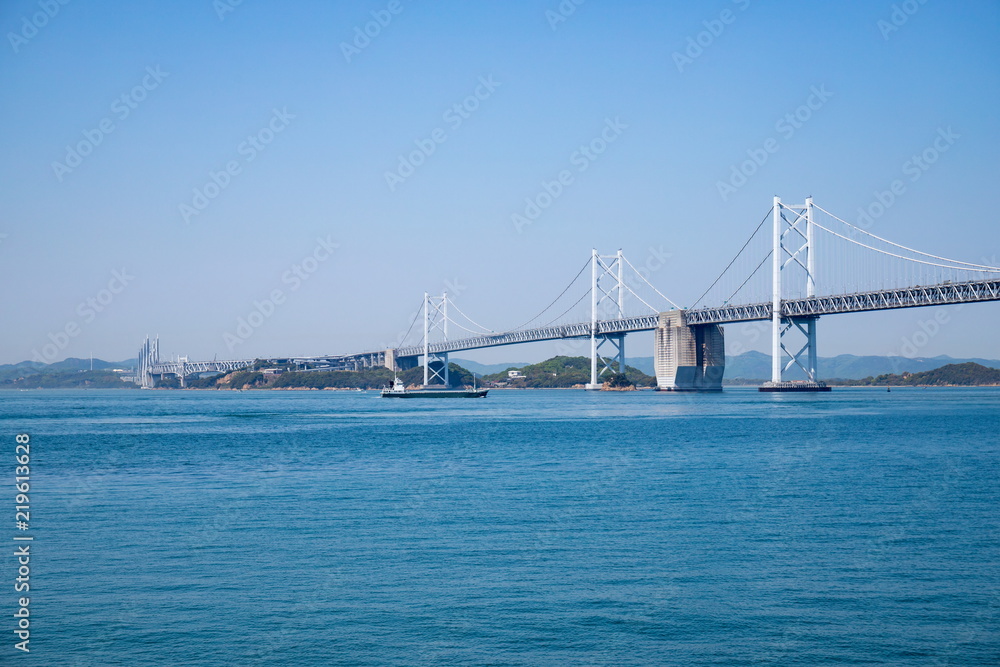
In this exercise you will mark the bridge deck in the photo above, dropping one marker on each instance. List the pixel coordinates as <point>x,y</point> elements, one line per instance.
<point>910,297</point>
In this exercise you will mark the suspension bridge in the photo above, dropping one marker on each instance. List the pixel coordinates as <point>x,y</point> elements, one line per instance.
<point>812,264</point>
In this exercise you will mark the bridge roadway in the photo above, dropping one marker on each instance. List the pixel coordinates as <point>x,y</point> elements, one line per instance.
<point>185,368</point>
<point>910,297</point>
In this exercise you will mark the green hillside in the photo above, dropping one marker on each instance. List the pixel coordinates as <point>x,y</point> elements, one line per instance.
<point>563,372</point>
<point>968,374</point>
<point>369,378</point>
<point>68,380</point>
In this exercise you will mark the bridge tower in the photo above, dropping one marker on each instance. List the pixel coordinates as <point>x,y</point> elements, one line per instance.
<point>792,256</point>
<point>607,294</point>
<point>435,319</point>
<point>149,355</point>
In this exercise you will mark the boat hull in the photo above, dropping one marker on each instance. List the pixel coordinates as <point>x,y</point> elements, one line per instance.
<point>431,393</point>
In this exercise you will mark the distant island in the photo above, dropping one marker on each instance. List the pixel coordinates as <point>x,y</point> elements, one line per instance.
<point>559,372</point>
<point>275,377</point>
<point>556,373</point>
<point>68,380</point>
<point>969,374</point>
<point>564,373</point>
<point>71,373</point>
<point>749,367</point>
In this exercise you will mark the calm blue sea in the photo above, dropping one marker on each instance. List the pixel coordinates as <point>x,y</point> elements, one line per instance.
<point>529,528</point>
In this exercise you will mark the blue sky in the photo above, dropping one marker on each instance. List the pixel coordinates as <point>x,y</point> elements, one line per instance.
<point>207,89</point>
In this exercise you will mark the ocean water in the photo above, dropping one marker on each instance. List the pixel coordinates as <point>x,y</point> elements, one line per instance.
<point>528,528</point>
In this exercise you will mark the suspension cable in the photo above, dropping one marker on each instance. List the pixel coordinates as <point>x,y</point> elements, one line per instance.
<point>414,321</point>
<point>641,299</point>
<point>585,295</point>
<point>542,312</point>
<point>484,329</point>
<point>770,252</point>
<point>477,333</point>
<point>903,247</point>
<point>983,269</point>
<point>663,296</point>
<point>728,266</point>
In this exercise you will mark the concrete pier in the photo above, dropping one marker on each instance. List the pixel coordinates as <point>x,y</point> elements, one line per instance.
<point>688,357</point>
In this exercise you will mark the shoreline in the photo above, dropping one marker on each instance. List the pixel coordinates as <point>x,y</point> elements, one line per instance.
<point>637,390</point>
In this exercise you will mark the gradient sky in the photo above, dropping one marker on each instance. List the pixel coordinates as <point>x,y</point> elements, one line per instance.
<point>343,121</point>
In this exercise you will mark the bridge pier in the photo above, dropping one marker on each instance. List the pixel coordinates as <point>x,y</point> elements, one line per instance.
<point>688,357</point>
<point>599,363</point>
<point>805,358</point>
<point>396,363</point>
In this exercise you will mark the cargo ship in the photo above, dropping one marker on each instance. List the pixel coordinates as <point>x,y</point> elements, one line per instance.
<point>398,390</point>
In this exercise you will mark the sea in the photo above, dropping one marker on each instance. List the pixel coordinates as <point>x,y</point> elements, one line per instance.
<point>532,527</point>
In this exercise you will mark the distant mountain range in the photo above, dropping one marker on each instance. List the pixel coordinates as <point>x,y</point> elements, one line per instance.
<point>968,374</point>
<point>757,365</point>
<point>749,365</point>
<point>846,366</point>
<point>10,372</point>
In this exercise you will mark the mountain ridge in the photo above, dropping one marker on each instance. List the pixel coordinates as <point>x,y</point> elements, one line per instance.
<point>755,364</point>
<point>749,365</point>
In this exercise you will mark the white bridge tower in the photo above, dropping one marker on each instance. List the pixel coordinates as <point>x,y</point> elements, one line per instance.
<point>793,257</point>
<point>607,295</point>
<point>435,320</point>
